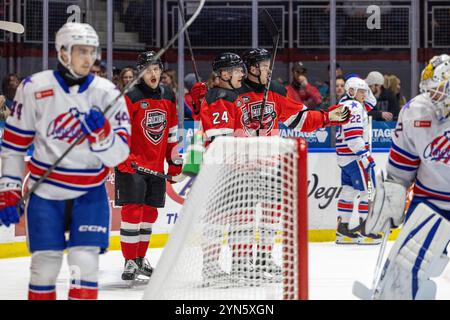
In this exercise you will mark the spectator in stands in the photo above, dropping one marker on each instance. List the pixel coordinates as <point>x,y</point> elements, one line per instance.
<point>300,89</point>
<point>169,78</point>
<point>324,86</point>
<point>387,107</point>
<point>9,87</point>
<point>125,76</point>
<point>96,68</point>
<point>213,80</point>
<point>4,111</point>
<point>393,83</point>
<point>340,91</point>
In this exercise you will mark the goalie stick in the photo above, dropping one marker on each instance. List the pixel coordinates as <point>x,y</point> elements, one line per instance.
<point>276,34</point>
<point>124,91</point>
<point>12,27</point>
<point>146,171</point>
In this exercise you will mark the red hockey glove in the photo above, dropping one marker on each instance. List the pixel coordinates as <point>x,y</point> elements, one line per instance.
<point>337,115</point>
<point>95,126</point>
<point>198,92</point>
<point>175,167</point>
<point>9,212</point>
<point>125,166</point>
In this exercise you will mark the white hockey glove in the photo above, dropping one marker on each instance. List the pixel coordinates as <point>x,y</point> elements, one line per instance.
<point>389,203</point>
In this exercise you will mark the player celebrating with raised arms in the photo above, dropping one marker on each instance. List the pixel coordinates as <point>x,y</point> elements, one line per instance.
<point>420,154</point>
<point>52,109</point>
<point>154,126</point>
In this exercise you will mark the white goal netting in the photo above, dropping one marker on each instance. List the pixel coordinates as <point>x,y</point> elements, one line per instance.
<point>238,232</point>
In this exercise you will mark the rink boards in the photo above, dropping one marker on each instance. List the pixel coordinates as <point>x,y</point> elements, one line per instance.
<point>323,192</point>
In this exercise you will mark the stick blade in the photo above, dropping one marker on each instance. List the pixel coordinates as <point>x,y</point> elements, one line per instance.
<point>361,291</point>
<point>12,27</point>
<point>266,18</point>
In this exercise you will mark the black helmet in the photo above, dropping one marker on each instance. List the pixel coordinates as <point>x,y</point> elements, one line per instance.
<point>252,57</point>
<point>226,60</point>
<point>146,58</point>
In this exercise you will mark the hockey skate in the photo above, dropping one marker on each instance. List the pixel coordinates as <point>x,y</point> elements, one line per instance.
<point>131,270</point>
<point>244,273</point>
<point>144,266</point>
<point>344,235</point>
<point>367,239</point>
<point>267,268</point>
<point>214,276</point>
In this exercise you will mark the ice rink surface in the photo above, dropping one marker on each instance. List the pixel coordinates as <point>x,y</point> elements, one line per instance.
<point>332,271</point>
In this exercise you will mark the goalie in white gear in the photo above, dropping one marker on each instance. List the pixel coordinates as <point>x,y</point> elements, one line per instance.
<point>356,163</point>
<point>419,155</point>
<point>51,110</point>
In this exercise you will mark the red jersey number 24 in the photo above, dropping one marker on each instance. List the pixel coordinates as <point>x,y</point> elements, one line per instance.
<point>218,118</point>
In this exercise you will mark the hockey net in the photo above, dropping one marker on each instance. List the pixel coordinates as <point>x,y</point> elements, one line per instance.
<point>242,232</point>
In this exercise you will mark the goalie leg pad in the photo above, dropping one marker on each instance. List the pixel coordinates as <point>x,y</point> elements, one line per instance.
<point>418,254</point>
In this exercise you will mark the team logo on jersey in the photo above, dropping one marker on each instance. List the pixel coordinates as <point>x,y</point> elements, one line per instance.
<point>66,126</point>
<point>439,149</point>
<point>43,94</point>
<point>245,99</point>
<point>154,123</point>
<point>252,111</point>
<point>145,104</point>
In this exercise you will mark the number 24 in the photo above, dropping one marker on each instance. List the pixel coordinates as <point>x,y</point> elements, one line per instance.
<point>216,116</point>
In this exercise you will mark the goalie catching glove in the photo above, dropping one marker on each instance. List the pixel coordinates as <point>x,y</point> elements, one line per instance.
<point>336,115</point>
<point>389,204</point>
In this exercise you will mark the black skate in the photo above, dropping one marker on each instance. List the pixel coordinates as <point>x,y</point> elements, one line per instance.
<point>131,270</point>
<point>244,273</point>
<point>144,267</point>
<point>266,267</point>
<point>344,235</point>
<point>214,276</point>
<point>367,239</point>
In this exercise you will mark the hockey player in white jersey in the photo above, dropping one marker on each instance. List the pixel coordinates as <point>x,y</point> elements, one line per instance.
<point>419,155</point>
<point>51,109</point>
<point>356,163</point>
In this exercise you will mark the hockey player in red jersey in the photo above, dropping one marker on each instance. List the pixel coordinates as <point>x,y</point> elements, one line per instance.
<point>51,109</point>
<point>154,125</point>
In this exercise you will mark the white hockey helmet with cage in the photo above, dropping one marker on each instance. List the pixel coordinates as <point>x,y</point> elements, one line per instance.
<point>356,84</point>
<point>75,33</point>
<point>435,83</point>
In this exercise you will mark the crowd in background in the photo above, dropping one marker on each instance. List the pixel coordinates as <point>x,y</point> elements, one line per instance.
<point>316,95</point>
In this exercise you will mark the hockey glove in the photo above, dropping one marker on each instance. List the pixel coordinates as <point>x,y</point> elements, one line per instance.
<point>9,213</point>
<point>198,92</point>
<point>367,162</point>
<point>126,166</point>
<point>175,167</point>
<point>95,126</point>
<point>337,115</point>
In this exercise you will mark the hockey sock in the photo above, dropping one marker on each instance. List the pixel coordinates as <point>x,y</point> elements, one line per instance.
<point>363,206</point>
<point>45,266</point>
<point>345,203</point>
<point>149,216</point>
<point>83,263</point>
<point>129,230</point>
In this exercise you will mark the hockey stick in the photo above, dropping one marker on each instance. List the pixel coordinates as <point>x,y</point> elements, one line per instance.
<point>188,40</point>
<point>146,171</point>
<point>359,289</point>
<point>110,105</point>
<point>276,34</point>
<point>12,27</point>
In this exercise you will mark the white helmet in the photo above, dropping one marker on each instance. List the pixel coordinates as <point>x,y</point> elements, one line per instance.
<point>74,33</point>
<point>356,84</point>
<point>437,70</point>
<point>435,82</point>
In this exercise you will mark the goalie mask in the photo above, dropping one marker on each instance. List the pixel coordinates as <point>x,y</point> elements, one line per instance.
<point>435,84</point>
<point>72,34</point>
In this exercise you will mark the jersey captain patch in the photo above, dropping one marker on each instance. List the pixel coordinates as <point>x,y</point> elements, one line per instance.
<point>154,124</point>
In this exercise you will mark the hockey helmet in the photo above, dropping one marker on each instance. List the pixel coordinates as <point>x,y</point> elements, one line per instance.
<point>436,71</point>
<point>75,33</point>
<point>226,60</point>
<point>355,84</point>
<point>148,58</point>
<point>252,57</point>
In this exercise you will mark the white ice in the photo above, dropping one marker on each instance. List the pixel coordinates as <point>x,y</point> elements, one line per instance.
<point>332,271</point>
